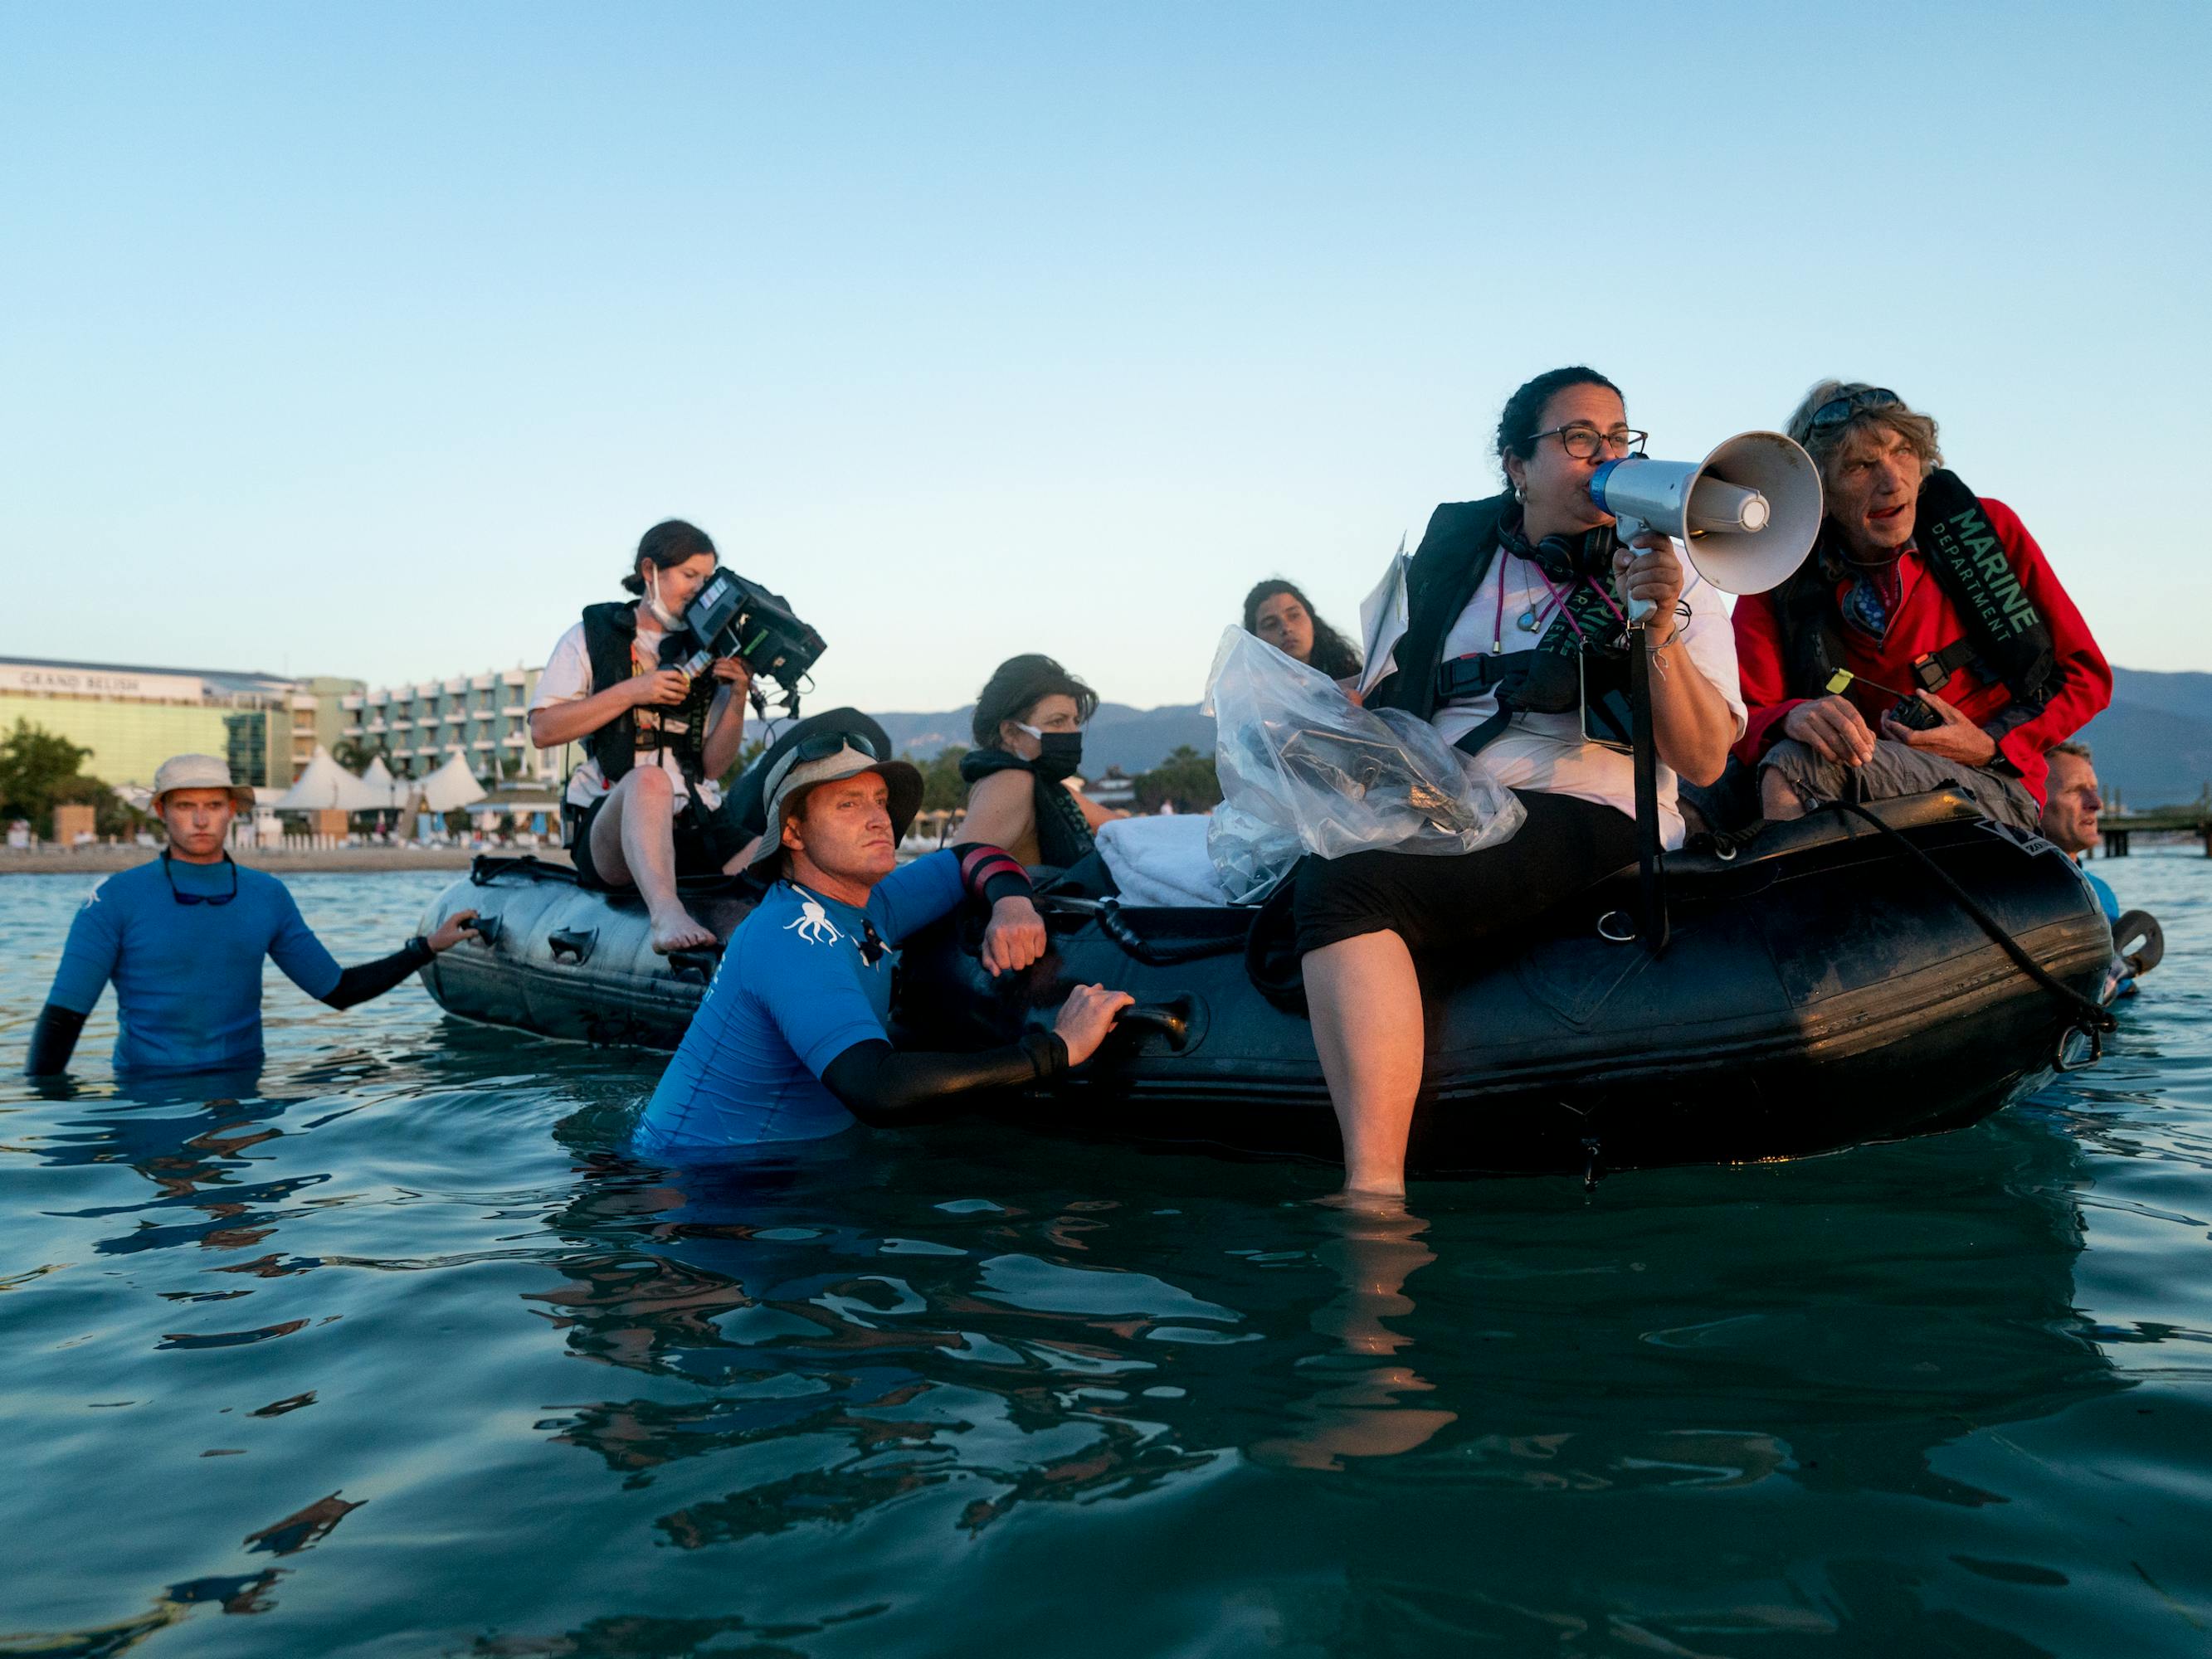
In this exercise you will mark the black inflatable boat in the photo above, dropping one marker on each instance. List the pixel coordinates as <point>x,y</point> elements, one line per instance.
<point>1822,987</point>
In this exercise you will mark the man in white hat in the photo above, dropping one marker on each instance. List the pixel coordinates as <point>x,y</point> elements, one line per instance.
<point>791,1042</point>
<point>183,936</point>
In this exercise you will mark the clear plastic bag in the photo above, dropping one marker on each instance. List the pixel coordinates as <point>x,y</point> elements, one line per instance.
<point>1303,769</point>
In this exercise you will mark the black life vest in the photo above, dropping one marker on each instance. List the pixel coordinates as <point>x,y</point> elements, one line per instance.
<point>609,634</point>
<point>1063,833</point>
<point>2007,640</point>
<point>1455,557</point>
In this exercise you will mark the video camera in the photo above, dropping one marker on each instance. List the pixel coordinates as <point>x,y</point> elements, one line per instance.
<point>731,617</point>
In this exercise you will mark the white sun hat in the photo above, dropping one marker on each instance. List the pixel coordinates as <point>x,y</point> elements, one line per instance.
<point>200,772</point>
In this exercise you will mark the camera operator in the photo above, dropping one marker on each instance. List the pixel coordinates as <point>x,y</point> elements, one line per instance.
<point>657,739</point>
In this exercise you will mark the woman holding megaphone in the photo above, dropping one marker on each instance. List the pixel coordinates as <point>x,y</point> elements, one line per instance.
<point>1516,650</point>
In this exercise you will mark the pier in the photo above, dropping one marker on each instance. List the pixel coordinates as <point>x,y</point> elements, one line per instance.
<point>2117,829</point>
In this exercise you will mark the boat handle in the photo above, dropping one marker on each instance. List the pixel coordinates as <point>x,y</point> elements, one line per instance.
<point>487,929</point>
<point>576,942</point>
<point>1617,926</point>
<point>701,962</point>
<point>2058,1061</point>
<point>1171,1020</point>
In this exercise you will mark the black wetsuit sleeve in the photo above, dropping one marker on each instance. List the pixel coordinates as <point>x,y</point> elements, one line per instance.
<point>53,1039</point>
<point>881,1086</point>
<point>365,979</point>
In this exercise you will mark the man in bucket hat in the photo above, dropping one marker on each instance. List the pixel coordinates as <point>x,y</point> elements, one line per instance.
<point>183,936</point>
<point>790,1043</point>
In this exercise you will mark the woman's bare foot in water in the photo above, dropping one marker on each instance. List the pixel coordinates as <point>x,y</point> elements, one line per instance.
<point>674,930</point>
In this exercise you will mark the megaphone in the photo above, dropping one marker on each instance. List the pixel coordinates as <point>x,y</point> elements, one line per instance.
<point>1748,513</point>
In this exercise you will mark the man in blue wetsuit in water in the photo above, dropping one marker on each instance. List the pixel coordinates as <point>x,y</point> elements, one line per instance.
<point>790,1043</point>
<point>183,937</point>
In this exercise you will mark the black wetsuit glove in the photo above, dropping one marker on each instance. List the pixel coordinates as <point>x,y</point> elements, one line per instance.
<point>372,979</point>
<point>881,1086</point>
<point>53,1039</point>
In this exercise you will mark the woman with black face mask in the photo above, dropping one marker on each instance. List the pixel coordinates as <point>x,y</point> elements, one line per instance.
<point>1029,741</point>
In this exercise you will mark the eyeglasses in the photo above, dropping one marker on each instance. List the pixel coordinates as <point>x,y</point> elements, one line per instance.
<point>201,898</point>
<point>1584,442</point>
<point>1841,407</point>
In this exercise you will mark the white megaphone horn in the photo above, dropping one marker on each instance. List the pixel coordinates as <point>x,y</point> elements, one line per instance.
<point>1748,513</point>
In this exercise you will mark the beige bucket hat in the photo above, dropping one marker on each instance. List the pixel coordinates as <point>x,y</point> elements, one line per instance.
<point>199,772</point>
<point>795,773</point>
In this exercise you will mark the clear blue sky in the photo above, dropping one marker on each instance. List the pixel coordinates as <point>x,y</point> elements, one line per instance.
<point>366,339</point>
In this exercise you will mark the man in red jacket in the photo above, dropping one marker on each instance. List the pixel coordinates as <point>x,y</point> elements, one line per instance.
<point>1925,644</point>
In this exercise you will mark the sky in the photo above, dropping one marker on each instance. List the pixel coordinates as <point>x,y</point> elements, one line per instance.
<point>366,340</point>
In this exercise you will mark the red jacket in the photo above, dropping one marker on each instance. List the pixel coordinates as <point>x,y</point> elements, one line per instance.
<point>1925,621</point>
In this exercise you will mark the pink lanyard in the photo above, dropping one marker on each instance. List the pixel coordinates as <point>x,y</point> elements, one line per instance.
<point>1537,619</point>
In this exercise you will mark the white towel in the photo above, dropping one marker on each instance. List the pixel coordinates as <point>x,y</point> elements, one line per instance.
<point>1161,860</point>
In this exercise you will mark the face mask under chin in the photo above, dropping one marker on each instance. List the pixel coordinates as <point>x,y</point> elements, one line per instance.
<point>660,613</point>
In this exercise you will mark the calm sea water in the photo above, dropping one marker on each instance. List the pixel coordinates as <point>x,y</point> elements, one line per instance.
<point>393,1350</point>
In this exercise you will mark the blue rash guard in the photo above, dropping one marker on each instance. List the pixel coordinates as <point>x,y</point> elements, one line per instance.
<point>794,991</point>
<point>2106,899</point>
<point>187,976</point>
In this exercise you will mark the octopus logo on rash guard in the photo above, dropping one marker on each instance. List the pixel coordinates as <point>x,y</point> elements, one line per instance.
<point>812,924</point>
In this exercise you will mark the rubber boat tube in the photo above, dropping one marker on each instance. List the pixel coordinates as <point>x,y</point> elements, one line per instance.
<point>1821,990</point>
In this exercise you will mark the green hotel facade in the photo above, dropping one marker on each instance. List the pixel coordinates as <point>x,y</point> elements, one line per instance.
<point>133,718</point>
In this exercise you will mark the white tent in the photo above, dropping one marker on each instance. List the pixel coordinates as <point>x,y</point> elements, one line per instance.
<point>390,791</point>
<point>451,785</point>
<point>327,785</point>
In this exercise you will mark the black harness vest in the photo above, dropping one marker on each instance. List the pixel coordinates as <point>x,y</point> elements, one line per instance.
<point>609,634</point>
<point>1453,559</point>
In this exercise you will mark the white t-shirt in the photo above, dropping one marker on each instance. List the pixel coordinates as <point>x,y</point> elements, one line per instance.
<point>568,678</point>
<point>1548,751</point>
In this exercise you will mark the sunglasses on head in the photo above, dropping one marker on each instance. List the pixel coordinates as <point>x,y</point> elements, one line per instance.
<point>820,745</point>
<point>201,898</point>
<point>1841,407</point>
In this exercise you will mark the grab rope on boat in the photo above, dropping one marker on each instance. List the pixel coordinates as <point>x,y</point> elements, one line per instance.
<point>2095,1017</point>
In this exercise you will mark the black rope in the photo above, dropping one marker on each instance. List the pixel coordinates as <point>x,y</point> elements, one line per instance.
<point>2097,1016</point>
<point>1115,927</point>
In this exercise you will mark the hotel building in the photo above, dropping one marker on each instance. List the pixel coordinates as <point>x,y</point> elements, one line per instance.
<point>133,718</point>
<point>482,717</point>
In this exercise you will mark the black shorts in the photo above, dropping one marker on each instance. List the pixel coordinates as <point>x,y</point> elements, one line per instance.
<point>1436,903</point>
<point>705,841</point>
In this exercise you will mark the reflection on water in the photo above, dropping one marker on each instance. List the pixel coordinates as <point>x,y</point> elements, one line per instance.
<point>395,1349</point>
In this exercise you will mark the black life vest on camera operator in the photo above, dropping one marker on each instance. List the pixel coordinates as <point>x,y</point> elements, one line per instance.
<point>610,638</point>
<point>2007,640</point>
<point>1456,552</point>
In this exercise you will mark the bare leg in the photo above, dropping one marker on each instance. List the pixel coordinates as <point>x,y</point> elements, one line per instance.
<point>634,845</point>
<point>1365,1001</point>
<point>743,856</point>
<point>1778,800</point>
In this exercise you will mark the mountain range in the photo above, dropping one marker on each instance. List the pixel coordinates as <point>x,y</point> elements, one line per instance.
<point>2153,745</point>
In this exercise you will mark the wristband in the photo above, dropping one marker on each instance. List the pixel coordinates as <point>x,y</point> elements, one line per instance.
<point>992,873</point>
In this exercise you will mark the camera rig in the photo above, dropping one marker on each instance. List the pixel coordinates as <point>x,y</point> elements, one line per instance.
<point>732,616</point>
